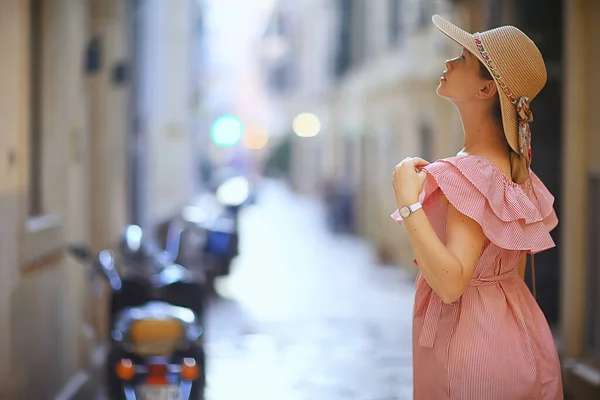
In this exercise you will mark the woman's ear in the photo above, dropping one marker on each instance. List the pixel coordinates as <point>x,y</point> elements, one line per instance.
<point>489,90</point>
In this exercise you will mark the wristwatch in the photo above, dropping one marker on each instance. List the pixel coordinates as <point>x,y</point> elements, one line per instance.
<point>406,211</point>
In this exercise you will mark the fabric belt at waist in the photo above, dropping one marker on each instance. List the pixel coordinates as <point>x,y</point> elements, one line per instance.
<point>490,280</point>
<point>434,308</point>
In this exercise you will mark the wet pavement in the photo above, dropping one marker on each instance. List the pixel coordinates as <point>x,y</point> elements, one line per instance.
<point>306,314</point>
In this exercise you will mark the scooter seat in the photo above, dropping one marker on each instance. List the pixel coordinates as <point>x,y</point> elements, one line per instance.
<point>158,310</point>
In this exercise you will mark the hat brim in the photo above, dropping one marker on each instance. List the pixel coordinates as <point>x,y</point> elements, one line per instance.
<point>466,40</point>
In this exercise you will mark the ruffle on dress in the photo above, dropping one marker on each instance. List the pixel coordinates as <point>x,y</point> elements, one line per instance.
<point>513,216</point>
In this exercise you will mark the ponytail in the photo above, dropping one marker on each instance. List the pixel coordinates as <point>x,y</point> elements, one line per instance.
<point>518,167</point>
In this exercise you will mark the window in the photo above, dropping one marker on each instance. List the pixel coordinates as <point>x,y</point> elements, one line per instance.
<point>342,57</point>
<point>282,24</point>
<point>36,100</point>
<point>43,234</point>
<point>360,31</point>
<point>352,35</point>
<point>279,78</point>
<point>349,159</point>
<point>394,21</point>
<point>424,13</point>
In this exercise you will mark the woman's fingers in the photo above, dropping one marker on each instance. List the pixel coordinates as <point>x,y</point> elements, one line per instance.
<point>415,162</point>
<point>419,161</point>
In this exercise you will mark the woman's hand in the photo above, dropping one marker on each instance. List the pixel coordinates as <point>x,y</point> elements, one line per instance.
<point>408,179</point>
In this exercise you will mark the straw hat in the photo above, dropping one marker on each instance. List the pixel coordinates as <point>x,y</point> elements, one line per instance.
<point>518,69</point>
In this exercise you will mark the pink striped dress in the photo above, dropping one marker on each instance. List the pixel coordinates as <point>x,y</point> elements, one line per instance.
<point>494,343</point>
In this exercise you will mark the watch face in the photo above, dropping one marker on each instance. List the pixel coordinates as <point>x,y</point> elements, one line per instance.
<point>404,212</point>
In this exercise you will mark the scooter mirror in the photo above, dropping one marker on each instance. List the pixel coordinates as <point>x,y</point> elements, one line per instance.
<point>234,192</point>
<point>133,238</point>
<point>106,262</point>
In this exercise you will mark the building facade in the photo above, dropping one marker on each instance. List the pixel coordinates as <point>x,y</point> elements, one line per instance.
<point>67,104</point>
<point>163,37</point>
<point>580,177</point>
<point>62,182</point>
<point>298,53</point>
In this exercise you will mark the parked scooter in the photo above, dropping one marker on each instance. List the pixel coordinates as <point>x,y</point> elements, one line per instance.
<point>223,241</point>
<point>208,229</point>
<point>156,311</point>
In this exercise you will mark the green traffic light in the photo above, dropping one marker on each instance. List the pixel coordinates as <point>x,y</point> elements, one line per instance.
<point>226,130</point>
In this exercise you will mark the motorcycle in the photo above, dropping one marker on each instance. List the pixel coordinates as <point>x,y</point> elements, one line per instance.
<point>229,198</point>
<point>207,231</point>
<point>156,309</point>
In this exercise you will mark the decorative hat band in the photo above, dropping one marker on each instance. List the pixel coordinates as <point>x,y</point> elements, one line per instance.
<point>493,68</point>
<point>524,113</point>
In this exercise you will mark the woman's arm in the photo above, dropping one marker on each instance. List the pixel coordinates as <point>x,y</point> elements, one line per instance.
<point>446,268</point>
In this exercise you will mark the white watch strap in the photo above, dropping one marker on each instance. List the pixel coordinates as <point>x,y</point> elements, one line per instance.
<point>415,207</point>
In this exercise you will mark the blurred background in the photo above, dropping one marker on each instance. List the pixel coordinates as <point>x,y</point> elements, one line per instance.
<point>252,142</point>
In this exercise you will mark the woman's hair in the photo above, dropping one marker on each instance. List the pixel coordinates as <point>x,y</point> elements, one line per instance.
<point>518,164</point>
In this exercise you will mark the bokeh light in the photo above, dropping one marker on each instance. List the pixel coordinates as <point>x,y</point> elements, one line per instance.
<point>255,138</point>
<point>226,130</point>
<point>306,125</point>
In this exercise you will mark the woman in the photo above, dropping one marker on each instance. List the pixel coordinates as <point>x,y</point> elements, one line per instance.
<point>478,332</point>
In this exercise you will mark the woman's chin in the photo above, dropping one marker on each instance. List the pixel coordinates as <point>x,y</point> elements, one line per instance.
<point>440,89</point>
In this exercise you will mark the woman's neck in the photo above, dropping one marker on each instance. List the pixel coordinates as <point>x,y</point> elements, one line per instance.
<point>483,136</point>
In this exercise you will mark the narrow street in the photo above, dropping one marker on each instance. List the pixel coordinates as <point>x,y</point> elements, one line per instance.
<point>307,315</point>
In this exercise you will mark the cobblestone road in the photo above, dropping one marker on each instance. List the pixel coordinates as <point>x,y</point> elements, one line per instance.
<point>307,315</point>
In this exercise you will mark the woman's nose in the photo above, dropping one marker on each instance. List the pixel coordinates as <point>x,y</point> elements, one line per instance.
<point>449,64</point>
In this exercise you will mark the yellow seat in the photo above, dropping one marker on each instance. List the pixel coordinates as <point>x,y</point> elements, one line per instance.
<point>155,337</point>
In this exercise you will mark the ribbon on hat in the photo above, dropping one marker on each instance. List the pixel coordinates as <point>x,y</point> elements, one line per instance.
<point>525,117</point>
